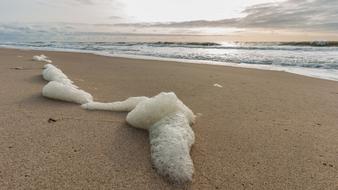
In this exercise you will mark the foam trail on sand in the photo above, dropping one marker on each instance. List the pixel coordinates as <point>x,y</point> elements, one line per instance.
<point>41,58</point>
<point>168,121</point>
<point>171,139</point>
<point>127,105</point>
<point>62,88</point>
<point>60,91</point>
<point>165,117</point>
<point>52,73</point>
<point>148,112</point>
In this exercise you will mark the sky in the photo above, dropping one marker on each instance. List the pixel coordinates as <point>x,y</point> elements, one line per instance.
<point>308,19</point>
<point>112,11</point>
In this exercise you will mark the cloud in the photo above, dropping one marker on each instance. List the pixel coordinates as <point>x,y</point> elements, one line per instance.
<point>75,11</point>
<point>308,14</point>
<point>114,3</point>
<point>117,19</point>
<point>318,15</point>
<point>85,1</point>
<point>92,2</point>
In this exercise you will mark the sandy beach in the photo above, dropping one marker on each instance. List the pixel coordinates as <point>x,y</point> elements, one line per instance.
<point>261,130</point>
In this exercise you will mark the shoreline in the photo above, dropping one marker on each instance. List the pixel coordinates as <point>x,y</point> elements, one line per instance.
<point>325,74</point>
<point>261,130</point>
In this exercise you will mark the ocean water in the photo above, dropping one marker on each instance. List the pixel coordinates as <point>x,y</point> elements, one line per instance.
<point>314,59</point>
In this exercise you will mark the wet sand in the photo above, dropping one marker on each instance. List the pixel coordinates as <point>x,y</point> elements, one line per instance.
<point>262,130</point>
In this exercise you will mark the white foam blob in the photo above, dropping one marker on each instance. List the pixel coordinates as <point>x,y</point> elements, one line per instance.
<point>126,105</point>
<point>168,121</point>
<point>52,73</point>
<point>171,139</point>
<point>150,111</point>
<point>64,92</point>
<point>41,58</point>
<point>48,66</point>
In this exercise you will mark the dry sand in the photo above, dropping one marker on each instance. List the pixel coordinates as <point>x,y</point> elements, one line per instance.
<point>262,130</point>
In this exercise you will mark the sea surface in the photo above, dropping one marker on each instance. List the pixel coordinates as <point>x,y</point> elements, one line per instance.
<point>315,59</point>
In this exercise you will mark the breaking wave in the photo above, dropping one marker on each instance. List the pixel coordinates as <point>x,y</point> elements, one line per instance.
<point>320,55</point>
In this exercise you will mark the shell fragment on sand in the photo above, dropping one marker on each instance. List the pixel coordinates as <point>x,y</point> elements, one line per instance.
<point>41,58</point>
<point>127,105</point>
<point>218,85</point>
<point>64,92</point>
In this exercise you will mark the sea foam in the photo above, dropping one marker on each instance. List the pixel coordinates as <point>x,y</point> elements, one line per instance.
<point>61,87</point>
<point>52,73</point>
<point>126,105</point>
<point>148,112</point>
<point>41,58</point>
<point>165,117</point>
<point>168,121</point>
<point>171,139</point>
<point>64,92</point>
